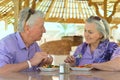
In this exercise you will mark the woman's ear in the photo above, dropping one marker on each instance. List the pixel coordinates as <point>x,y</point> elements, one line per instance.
<point>101,36</point>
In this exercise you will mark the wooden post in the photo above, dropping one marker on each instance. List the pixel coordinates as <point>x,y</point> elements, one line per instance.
<point>26,4</point>
<point>16,13</point>
<point>34,4</point>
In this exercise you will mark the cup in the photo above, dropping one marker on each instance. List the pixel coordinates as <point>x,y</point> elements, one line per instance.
<point>64,68</point>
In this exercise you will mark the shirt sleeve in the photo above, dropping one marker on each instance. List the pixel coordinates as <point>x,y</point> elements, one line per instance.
<point>4,56</point>
<point>3,60</point>
<point>116,53</point>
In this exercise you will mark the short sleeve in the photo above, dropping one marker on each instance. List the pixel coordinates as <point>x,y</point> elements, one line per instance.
<point>3,60</point>
<point>110,50</point>
<point>112,47</point>
<point>4,56</point>
<point>116,53</point>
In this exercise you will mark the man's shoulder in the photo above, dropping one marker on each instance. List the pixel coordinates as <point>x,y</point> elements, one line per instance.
<point>9,38</point>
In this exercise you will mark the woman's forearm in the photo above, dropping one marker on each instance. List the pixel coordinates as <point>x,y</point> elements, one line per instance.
<point>112,65</point>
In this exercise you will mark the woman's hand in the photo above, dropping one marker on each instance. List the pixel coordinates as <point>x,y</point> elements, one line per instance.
<point>71,60</point>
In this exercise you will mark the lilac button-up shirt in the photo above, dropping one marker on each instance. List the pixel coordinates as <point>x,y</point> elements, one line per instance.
<point>13,50</point>
<point>102,53</point>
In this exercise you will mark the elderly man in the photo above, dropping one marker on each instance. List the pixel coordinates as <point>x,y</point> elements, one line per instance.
<point>19,51</point>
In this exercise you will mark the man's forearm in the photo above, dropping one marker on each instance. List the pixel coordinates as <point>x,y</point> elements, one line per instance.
<point>14,67</point>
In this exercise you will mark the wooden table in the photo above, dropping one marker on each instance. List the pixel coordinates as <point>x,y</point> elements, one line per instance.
<point>73,75</point>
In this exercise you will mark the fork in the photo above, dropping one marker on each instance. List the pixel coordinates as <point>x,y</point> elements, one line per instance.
<point>78,56</point>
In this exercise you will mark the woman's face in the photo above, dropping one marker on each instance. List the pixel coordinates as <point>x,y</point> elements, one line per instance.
<point>92,36</point>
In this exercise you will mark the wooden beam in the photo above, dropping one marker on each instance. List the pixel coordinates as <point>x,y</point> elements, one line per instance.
<point>49,10</point>
<point>61,20</point>
<point>10,13</point>
<point>114,8</point>
<point>4,2</point>
<point>104,2</point>
<point>90,3</point>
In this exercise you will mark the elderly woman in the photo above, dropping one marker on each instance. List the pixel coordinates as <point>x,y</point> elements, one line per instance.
<point>97,48</point>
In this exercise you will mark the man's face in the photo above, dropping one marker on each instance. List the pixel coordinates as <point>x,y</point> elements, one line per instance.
<point>37,30</point>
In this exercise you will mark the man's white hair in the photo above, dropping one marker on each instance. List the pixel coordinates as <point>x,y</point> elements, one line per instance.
<point>31,20</point>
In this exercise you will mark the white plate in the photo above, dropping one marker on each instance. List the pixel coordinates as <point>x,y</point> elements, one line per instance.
<point>82,69</point>
<point>48,69</point>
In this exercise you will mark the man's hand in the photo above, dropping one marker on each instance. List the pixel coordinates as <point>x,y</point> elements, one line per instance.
<point>38,58</point>
<point>47,61</point>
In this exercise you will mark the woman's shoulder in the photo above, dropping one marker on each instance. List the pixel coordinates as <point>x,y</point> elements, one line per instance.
<point>113,44</point>
<point>84,44</point>
<point>109,43</point>
<point>112,47</point>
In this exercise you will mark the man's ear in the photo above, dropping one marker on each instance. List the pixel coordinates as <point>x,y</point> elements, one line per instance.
<point>26,28</point>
